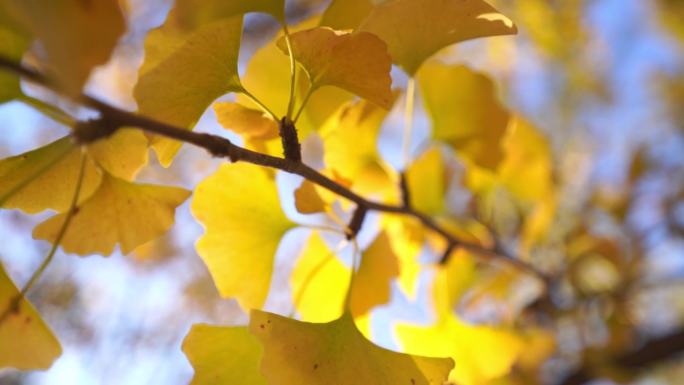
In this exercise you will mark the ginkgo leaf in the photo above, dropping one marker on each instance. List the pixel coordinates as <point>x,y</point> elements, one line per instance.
<point>357,62</point>
<point>465,112</point>
<point>248,122</point>
<point>14,40</point>
<point>274,90</point>
<point>119,212</point>
<point>336,353</point>
<point>371,285</point>
<point>27,342</point>
<point>346,14</point>
<point>451,281</point>
<point>414,30</point>
<point>350,142</point>
<point>170,87</point>
<point>406,237</point>
<point>223,355</point>
<point>123,154</point>
<point>244,222</point>
<point>196,11</point>
<point>26,179</point>
<point>481,353</point>
<point>319,282</point>
<point>308,200</point>
<point>76,36</point>
<point>426,180</point>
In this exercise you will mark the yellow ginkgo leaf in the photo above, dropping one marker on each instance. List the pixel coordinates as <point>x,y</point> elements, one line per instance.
<point>346,14</point>
<point>170,88</point>
<point>451,281</point>
<point>358,63</point>
<point>416,29</point>
<point>46,178</point>
<point>427,184</point>
<point>481,353</point>
<point>319,282</point>
<point>250,123</point>
<point>194,11</point>
<point>14,40</point>
<point>76,37</point>
<point>371,285</point>
<point>118,212</point>
<point>123,154</point>
<point>274,90</point>
<point>406,236</point>
<point>336,353</point>
<point>465,112</point>
<point>350,142</point>
<point>308,200</point>
<point>244,222</point>
<point>223,355</point>
<point>527,170</point>
<point>27,342</point>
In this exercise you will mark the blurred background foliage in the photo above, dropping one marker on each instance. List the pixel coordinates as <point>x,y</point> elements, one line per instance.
<point>602,79</point>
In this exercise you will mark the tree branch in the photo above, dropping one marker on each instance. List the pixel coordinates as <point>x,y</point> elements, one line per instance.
<point>113,118</point>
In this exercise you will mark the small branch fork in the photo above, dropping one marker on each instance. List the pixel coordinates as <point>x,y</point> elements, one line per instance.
<point>112,118</point>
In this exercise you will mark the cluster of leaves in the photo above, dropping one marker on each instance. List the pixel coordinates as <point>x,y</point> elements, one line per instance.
<point>326,78</point>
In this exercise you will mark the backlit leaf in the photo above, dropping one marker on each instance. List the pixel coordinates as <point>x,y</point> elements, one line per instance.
<point>481,353</point>
<point>53,168</point>
<point>372,282</point>
<point>319,282</point>
<point>119,212</point>
<point>414,30</point>
<point>14,40</point>
<point>76,35</point>
<point>308,200</point>
<point>27,342</point>
<point>426,178</point>
<point>336,353</point>
<point>248,122</point>
<point>170,87</point>
<point>350,142</point>
<point>223,355</point>
<point>123,154</point>
<point>357,62</point>
<point>346,14</point>
<point>465,112</point>
<point>244,222</point>
<point>197,11</point>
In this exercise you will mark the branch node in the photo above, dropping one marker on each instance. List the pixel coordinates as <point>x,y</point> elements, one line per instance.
<point>92,130</point>
<point>405,193</point>
<point>292,150</point>
<point>356,222</point>
<point>447,253</point>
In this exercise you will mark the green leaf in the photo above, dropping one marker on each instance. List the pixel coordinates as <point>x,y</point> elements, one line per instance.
<point>414,30</point>
<point>170,87</point>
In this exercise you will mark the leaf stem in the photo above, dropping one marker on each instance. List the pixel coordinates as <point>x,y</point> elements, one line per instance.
<point>304,102</point>
<point>260,104</point>
<point>293,72</point>
<point>408,122</point>
<point>53,112</point>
